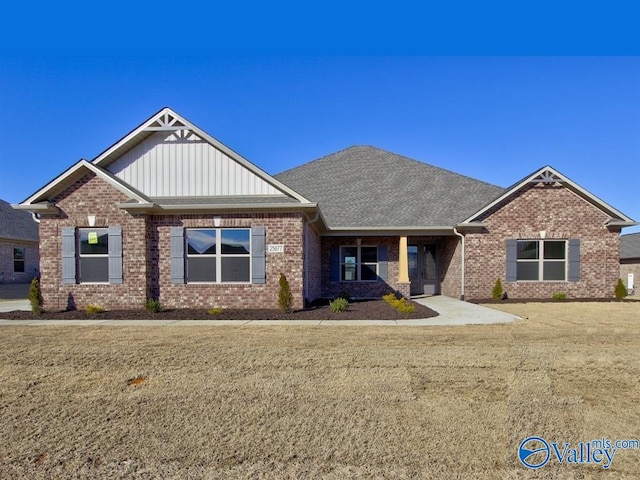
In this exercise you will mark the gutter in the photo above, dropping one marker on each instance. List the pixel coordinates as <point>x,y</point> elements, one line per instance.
<point>462,237</point>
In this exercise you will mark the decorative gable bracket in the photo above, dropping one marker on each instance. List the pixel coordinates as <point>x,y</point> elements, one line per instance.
<point>166,122</point>
<point>547,177</point>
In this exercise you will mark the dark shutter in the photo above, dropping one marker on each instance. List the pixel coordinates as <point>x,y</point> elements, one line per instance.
<point>574,260</point>
<point>68,255</point>
<point>258,255</point>
<point>177,254</point>
<point>512,261</point>
<point>115,254</point>
<point>334,263</point>
<point>383,270</point>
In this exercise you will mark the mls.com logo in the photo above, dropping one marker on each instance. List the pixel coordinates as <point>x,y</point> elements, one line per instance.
<point>534,452</point>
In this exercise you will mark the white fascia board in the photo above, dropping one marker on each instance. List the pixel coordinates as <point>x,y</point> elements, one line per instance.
<point>605,207</point>
<point>105,156</point>
<point>389,231</point>
<point>207,207</point>
<point>82,164</point>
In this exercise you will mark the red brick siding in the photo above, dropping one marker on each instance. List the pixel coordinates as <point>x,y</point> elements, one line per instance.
<point>281,228</point>
<point>563,215</point>
<point>93,196</point>
<point>146,255</point>
<point>314,264</point>
<point>360,289</point>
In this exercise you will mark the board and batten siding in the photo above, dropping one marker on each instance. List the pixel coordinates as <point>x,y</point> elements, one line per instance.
<point>166,165</point>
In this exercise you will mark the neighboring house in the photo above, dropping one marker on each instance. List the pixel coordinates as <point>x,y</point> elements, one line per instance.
<point>170,213</point>
<point>19,256</point>
<point>630,260</point>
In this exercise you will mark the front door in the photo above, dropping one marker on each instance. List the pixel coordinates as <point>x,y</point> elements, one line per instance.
<point>423,269</point>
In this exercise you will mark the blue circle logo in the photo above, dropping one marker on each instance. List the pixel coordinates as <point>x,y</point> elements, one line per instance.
<point>534,452</point>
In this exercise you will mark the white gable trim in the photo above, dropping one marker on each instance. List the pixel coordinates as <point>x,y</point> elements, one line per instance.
<point>75,173</point>
<point>549,174</point>
<point>167,119</point>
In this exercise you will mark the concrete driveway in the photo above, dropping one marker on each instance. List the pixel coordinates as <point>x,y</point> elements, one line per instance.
<point>13,296</point>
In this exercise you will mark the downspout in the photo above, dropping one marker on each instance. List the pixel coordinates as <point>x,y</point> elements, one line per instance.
<point>34,215</point>
<point>462,239</point>
<point>306,254</point>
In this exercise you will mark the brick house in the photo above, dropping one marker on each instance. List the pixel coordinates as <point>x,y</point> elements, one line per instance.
<point>19,257</point>
<point>168,212</point>
<point>630,261</point>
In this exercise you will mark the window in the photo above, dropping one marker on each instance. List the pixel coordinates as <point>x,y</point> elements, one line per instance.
<point>18,260</point>
<point>93,259</point>
<point>218,255</point>
<point>542,260</point>
<point>359,264</point>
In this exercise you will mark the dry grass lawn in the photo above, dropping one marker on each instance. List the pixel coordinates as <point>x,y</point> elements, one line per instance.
<point>320,402</point>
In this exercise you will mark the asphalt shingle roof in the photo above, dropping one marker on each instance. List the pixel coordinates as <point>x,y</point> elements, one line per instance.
<point>630,245</point>
<point>365,186</point>
<point>16,224</point>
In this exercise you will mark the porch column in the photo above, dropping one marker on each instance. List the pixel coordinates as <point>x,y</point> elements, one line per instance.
<point>403,262</point>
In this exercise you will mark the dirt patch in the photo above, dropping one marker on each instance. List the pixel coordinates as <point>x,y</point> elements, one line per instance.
<point>358,310</point>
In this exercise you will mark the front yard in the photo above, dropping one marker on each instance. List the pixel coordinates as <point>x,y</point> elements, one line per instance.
<point>320,402</point>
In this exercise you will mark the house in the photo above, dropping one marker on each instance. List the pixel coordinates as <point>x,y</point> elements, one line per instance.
<point>630,260</point>
<point>19,256</point>
<point>170,213</point>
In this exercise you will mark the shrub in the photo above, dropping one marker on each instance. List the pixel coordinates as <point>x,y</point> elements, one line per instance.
<point>559,296</point>
<point>338,305</point>
<point>401,304</point>
<point>497,291</point>
<point>620,290</point>
<point>35,297</point>
<point>152,305</point>
<point>285,298</point>
<point>91,309</point>
<point>215,311</point>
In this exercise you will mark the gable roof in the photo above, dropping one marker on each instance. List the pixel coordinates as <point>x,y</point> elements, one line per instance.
<point>630,246</point>
<point>364,187</point>
<point>168,120</point>
<point>550,175</point>
<point>17,225</point>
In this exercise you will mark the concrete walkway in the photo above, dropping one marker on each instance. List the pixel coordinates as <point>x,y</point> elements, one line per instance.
<point>452,312</point>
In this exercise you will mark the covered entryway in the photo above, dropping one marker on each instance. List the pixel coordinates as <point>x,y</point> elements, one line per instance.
<point>424,268</point>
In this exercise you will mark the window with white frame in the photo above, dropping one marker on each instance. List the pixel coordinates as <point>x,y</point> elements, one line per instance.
<point>93,258</point>
<point>359,263</point>
<point>542,260</point>
<point>18,259</point>
<point>218,255</point>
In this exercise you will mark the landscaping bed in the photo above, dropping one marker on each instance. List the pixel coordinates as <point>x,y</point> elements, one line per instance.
<point>356,310</point>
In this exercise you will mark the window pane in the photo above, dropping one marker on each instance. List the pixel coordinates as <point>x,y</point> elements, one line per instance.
<point>201,269</point>
<point>349,272</point>
<point>94,241</point>
<point>235,269</point>
<point>18,253</point>
<point>528,270</point>
<point>348,255</point>
<point>236,242</point>
<point>18,260</point>
<point>369,254</point>
<point>528,250</point>
<point>368,272</point>
<point>554,250</point>
<point>553,271</point>
<point>94,269</point>
<point>201,241</point>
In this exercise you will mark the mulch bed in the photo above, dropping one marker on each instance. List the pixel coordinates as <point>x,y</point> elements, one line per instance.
<point>357,310</point>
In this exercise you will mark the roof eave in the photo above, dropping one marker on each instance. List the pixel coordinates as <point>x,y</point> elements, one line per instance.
<point>209,208</point>
<point>43,208</point>
<point>390,231</point>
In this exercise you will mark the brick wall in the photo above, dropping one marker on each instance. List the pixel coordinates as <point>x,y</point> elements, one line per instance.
<point>93,196</point>
<point>31,261</point>
<point>281,228</point>
<point>314,264</point>
<point>563,215</point>
<point>146,255</point>
<point>631,266</point>
<point>360,289</point>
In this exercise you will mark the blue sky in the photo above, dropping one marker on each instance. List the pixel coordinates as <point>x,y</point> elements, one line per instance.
<point>496,119</point>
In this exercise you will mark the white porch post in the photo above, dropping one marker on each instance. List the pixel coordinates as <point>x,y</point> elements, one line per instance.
<point>403,262</point>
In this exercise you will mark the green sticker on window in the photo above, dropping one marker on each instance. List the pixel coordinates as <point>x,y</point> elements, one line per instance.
<point>93,238</point>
